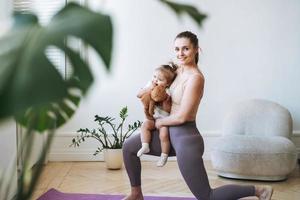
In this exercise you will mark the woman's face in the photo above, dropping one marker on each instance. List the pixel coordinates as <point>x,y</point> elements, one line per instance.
<point>185,51</point>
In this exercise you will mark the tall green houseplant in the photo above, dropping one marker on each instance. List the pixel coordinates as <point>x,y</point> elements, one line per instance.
<point>33,91</point>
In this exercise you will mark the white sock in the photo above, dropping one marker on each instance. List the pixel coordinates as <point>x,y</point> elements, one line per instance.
<point>162,160</point>
<point>145,149</point>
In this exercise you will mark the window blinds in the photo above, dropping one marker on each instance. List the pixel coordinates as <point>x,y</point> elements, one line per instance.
<point>22,5</point>
<point>45,9</point>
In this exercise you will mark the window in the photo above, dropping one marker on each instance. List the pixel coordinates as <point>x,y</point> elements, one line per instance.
<point>45,10</point>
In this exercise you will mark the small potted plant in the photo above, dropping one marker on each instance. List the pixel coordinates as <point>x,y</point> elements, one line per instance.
<point>111,136</point>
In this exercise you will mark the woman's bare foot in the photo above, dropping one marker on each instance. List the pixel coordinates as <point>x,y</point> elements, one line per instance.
<point>133,197</point>
<point>136,194</point>
<point>264,192</point>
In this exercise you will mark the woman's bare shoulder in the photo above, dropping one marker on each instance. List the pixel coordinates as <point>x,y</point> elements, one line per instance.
<point>197,77</point>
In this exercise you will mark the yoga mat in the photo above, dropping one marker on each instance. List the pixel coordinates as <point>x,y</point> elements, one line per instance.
<point>54,194</point>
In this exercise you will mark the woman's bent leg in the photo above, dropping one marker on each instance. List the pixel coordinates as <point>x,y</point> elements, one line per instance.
<point>189,147</point>
<point>228,192</point>
<point>132,162</point>
<point>189,150</point>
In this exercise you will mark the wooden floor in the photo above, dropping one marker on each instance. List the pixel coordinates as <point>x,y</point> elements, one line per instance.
<point>93,177</point>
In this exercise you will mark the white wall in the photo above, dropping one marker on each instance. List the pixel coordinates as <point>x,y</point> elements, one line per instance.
<point>250,50</point>
<point>5,10</point>
<point>8,143</point>
<point>8,148</point>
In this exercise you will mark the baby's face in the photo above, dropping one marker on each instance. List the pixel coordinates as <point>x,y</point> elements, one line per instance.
<point>159,79</point>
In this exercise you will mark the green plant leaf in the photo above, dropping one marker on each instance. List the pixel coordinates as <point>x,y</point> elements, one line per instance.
<point>193,12</point>
<point>101,133</point>
<point>123,113</point>
<point>28,78</point>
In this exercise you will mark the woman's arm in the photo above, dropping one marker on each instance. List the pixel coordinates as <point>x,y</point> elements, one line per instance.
<point>190,101</point>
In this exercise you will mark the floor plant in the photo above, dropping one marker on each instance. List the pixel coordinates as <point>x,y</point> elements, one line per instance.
<point>32,90</point>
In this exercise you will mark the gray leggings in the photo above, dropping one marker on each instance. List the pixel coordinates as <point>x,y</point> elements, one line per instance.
<point>187,144</point>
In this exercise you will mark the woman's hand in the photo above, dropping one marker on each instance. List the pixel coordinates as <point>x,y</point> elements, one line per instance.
<point>158,123</point>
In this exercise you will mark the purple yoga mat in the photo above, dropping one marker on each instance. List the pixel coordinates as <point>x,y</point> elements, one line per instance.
<point>53,194</point>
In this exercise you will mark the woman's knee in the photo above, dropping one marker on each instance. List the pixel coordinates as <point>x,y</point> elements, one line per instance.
<point>132,144</point>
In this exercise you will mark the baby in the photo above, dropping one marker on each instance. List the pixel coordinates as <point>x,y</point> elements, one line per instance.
<point>163,76</point>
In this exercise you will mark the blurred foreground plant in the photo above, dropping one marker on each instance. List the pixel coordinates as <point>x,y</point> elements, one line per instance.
<point>33,91</point>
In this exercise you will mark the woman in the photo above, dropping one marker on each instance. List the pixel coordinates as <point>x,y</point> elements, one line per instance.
<point>186,141</point>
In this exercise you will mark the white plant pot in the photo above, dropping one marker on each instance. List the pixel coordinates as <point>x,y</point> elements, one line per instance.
<point>113,158</point>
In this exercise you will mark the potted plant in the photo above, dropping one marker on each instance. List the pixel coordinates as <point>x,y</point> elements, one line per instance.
<point>111,136</point>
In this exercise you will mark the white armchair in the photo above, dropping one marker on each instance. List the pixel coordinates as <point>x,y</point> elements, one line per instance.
<point>255,142</point>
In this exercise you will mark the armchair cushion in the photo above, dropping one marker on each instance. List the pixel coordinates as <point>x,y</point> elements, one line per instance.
<point>263,158</point>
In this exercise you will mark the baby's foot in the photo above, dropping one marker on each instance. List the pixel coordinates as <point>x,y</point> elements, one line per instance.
<point>162,160</point>
<point>143,150</point>
<point>265,192</point>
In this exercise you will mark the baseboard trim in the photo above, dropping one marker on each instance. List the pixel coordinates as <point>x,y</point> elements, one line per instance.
<point>80,155</point>
<point>61,150</point>
<point>296,133</point>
